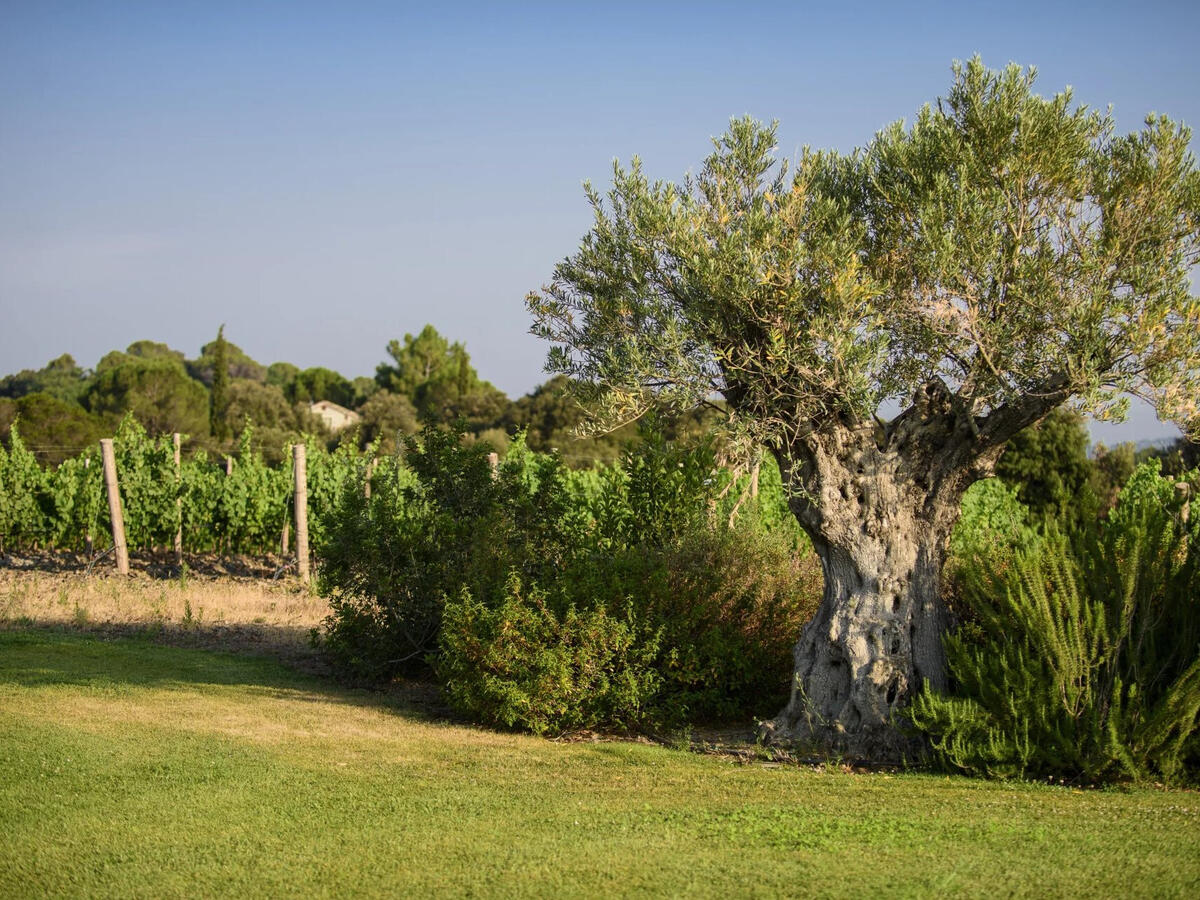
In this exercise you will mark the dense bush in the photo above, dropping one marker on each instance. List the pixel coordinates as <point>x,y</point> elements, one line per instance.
<point>75,494</point>
<point>149,485</point>
<point>42,507</point>
<point>729,603</point>
<point>549,599</point>
<point>521,664</point>
<point>992,529</point>
<point>1083,655</point>
<point>1048,465</point>
<point>389,560</point>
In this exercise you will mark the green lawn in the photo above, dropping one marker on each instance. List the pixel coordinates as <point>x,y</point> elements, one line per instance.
<point>132,769</point>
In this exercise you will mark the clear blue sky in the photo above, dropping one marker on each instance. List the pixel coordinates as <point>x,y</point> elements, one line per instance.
<point>325,177</point>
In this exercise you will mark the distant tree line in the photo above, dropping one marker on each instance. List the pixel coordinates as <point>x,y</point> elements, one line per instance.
<point>1057,475</point>
<point>425,380</point>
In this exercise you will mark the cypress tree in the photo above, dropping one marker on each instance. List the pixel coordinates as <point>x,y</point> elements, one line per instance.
<point>220,389</point>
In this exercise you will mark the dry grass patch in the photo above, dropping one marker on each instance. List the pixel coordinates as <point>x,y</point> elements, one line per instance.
<point>238,614</point>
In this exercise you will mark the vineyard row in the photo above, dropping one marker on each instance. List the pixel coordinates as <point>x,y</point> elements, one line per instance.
<point>214,506</point>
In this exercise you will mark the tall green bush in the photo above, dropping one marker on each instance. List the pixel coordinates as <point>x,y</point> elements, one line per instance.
<point>389,561</point>
<point>1085,657</point>
<point>80,512</point>
<point>992,529</point>
<point>254,499</point>
<point>729,602</point>
<point>483,576</point>
<point>148,485</point>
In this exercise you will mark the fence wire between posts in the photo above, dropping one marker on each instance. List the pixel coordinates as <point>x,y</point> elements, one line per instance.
<point>120,547</point>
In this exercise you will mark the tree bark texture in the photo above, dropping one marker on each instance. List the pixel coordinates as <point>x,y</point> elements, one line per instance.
<point>879,505</point>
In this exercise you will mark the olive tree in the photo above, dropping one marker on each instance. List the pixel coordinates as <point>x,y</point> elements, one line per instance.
<point>884,322</point>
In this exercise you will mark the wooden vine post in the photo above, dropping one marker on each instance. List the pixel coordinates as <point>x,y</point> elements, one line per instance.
<point>175,439</point>
<point>301,495</point>
<point>87,540</point>
<point>114,505</point>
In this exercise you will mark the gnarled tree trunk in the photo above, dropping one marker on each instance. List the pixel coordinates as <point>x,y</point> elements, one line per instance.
<point>874,639</point>
<point>879,509</point>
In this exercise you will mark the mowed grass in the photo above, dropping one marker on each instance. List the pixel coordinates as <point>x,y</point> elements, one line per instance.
<point>133,769</point>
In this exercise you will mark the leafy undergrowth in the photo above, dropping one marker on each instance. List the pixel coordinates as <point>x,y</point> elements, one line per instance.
<point>133,769</point>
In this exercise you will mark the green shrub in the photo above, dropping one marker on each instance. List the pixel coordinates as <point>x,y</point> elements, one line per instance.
<point>243,512</point>
<point>76,489</point>
<point>716,607</point>
<point>438,521</point>
<point>664,488</point>
<point>518,663</point>
<point>148,485</point>
<point>255,499</point>
<point>1086,662</point>
<point>729,603</point>
<point>388,561</point>
<point>992,529</point>
<point>736,602</point>
<point>1048,465</point>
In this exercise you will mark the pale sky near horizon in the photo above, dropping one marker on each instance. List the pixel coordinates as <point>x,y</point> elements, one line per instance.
<point>325,177</point>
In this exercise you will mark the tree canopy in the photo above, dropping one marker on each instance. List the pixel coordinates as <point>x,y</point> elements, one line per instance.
<point>218,407</point>
<point>388,417</point>
<point>237,361</point>
<point>1010,247</point>
<point>53,428</point>
<point>61,378</point>
<point>423,359</point>
<point>437,376</point>
<point>319,383</point>
<point>158,392</point>
<point>1048,464</point>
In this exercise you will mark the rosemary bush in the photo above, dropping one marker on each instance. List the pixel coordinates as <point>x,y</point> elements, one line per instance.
<point>1082,659</point>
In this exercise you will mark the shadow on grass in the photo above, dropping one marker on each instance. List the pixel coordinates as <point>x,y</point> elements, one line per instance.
<point>291,645</point>
<point>52,655</point>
